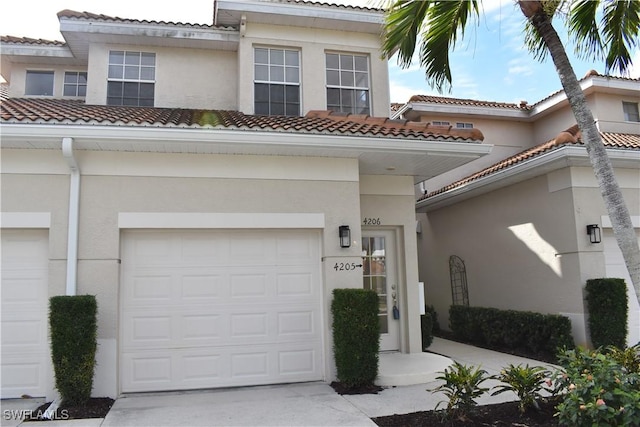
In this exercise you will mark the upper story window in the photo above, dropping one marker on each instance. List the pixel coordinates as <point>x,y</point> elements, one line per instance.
<point>131,78</point>
<point>348,83</point>
<point>276,81</point>
<point>462,125</point>
<point>75,83</point>
<point>631,111</point>
<point>440,123</point>
<point>39,83</point>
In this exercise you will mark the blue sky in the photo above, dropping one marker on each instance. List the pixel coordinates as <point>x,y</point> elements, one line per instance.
<point>490,63</point>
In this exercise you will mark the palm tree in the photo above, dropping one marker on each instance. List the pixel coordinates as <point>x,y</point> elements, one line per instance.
<point>439,23</point>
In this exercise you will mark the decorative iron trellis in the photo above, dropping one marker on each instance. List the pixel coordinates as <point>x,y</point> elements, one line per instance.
<point>458,273</point>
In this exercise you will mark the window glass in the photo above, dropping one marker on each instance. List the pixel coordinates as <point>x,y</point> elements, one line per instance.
<point>39,83</point>
<point>276,81</point>
<point>630,110</point>
<point>131,78</point>
<point>348,83</point>
<point>75,83</point>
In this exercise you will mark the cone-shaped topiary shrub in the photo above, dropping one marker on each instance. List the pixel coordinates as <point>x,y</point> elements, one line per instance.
<point>73,321</point>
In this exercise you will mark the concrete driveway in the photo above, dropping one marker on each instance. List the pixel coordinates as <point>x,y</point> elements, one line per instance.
<point>307,404</point>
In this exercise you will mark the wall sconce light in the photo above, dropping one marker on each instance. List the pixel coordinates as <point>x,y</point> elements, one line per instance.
<point>345,236</point>
<point>594,233</point>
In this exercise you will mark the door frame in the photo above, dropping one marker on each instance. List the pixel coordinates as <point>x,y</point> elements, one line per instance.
<point>392,243</point>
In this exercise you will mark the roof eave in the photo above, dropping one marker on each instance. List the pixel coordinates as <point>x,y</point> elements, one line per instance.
<point>567,156</point>
<point>408,157</point>
<point>305,15</point>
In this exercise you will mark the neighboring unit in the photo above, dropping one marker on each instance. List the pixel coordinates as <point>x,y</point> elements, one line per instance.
<point>518,217</point>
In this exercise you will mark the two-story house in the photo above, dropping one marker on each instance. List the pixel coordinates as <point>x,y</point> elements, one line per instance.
<point>211,185</point>
<point>510,230</point>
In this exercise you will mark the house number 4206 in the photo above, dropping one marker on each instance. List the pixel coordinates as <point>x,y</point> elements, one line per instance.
<point>371,221</point>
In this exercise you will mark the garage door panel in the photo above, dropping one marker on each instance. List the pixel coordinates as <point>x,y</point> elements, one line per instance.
<point>253,320</point>
<point>229,366</point>
<point>24,308</point>
<point>208,326</point>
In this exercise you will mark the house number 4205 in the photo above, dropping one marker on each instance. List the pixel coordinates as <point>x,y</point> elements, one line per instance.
<point>371,221</point>
<point>346,266</point>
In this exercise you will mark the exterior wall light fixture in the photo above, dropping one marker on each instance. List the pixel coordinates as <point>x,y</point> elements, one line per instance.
<point>594,233</point>
<point>345,236</point>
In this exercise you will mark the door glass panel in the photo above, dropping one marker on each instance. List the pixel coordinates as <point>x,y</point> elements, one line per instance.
<point>375,275</point>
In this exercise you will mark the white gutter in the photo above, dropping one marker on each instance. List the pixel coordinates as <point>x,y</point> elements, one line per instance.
<point>74,208</point>
<point>106,137</point>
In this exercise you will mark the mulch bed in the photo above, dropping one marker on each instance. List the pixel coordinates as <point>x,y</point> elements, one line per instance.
<point>500,414</point>
<point>364,389</point>
<point>96,407</point>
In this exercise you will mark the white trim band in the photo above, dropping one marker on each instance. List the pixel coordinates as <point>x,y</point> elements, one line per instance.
<point>219,220</point>
<point>606,221</point>
<point>25,220</point>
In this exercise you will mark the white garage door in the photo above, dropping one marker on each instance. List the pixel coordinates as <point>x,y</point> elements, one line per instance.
<point>615,267</point>
<point>219,308</point>
<point>25,350</point>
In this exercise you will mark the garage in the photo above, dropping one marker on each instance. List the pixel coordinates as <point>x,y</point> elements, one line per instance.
<point>26,364</point>
<point>219,308</point>
<point>615,267</point>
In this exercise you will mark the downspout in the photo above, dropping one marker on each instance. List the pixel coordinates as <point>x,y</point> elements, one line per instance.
<point>74,208</point>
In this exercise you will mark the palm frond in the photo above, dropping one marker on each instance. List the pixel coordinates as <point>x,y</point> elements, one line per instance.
<point>620,28</point>
<point>445,20</point>
<point>583,26</point>
<point>403,22</point>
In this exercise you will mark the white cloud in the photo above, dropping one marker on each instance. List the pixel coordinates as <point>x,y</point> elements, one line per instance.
<point>401,93</point>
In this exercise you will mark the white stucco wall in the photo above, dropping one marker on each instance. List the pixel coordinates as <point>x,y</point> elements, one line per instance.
<point>185,78</point>
<point>525,246</point>
<point>312,43</point>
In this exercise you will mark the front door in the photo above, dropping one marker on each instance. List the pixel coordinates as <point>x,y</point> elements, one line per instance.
<point>379,274</point>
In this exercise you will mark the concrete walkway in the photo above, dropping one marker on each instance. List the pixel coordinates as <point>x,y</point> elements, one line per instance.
<point>406,379</point>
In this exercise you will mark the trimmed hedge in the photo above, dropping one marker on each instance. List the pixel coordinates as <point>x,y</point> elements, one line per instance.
<point>426,327</point>
<point>356,336</point>
<point>73,321</point>
<point>607,303</point>
<point>434,318</point>
<point>511,329</point>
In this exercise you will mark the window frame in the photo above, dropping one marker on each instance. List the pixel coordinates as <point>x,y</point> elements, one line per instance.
<point>75,85</point>
<point>628,115</point>
<point>344,88</point>
<point>133,76</point>
<point>464,125</point>
<point>440,123</point>
<point>283,80</point>
<point>27,82</point>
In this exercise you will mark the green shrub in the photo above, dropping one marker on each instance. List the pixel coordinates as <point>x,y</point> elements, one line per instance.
<point>526,382</point>
<point>426,327</point>
<point>356,336</point>
<point>73,322</point>
<point>598,391</point>
<point>629,357</point>
<point>608,309</point>
<point>462,388</point>
<point>434,319</point>
<point>511,329</point>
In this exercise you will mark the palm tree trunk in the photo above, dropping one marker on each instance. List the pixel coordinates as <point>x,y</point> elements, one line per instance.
<point>609,189</point>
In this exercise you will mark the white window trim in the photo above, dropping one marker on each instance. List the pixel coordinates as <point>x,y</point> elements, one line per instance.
<point>178,220</point>
<point>25,219</point>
